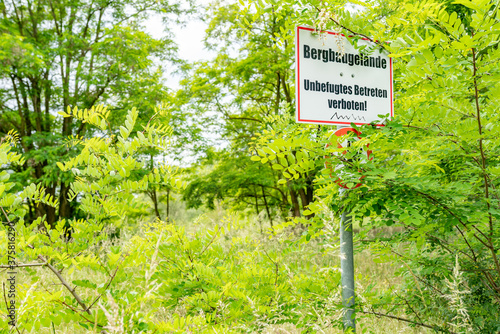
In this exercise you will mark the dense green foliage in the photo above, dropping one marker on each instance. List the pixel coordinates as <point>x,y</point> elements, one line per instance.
<point>60,54</point>
<point>74,185</point>
<point>245,86</point>
<point>435,171</point>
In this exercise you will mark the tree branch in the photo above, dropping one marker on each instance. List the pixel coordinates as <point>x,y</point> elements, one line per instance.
<point>483,163</point>
<point>408,321</point>
<point>353,32</point>
<point>22,265</point>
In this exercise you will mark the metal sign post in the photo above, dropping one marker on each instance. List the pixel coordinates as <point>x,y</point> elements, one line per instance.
<point>347,252</point>
<point>347,269</point>
<point>346,240</point>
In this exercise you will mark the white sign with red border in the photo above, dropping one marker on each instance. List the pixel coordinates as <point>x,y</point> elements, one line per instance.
<point>336,84</point>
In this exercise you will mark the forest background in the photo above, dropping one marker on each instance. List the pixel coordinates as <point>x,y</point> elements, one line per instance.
<point>129,207</point>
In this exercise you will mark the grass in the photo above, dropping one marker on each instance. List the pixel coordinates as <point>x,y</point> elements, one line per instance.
<point>312,255</point>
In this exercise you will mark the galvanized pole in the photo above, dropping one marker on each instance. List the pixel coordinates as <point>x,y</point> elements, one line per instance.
<point>347,267</point>
<point>347,270</point>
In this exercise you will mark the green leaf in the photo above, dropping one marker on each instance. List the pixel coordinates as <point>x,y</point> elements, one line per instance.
<point>390,175</point>
<point>466,3</point>
<point>84,325</point>
<point>85,283</point>
<point>123,132</point>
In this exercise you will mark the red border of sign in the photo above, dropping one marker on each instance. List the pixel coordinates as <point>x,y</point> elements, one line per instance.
<point>297,89</point>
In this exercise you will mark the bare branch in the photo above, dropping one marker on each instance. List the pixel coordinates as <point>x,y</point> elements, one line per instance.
<point>438,329</point>
<point>22,265</point>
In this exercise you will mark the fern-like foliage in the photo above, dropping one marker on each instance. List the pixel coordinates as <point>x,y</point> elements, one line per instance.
<point>109,169</point>
<point>12,203</point>
<point>97,115</point>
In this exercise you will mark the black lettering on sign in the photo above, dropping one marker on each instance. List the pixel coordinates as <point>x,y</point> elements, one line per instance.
<point>351,59</point>
<point>347,105</point>
<point>307,53</point>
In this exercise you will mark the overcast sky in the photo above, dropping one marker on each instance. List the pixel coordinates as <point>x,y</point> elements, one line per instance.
<point>189,39</point>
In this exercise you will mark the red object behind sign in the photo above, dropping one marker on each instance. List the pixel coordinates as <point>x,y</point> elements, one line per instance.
<point>339,133</point>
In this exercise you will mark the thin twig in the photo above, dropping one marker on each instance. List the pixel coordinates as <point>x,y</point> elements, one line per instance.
<point>444,206</point>
<point>63,281</point>
<point>20,265</point>
<point>408,320</point>
<point>211,241</point>
<point>66,285</point>
<point>353,32</point>
<point>413,274</point>
<point>79,313</point>
<point>276,265</point>
<point>107,285</point>
<point>483,160</point>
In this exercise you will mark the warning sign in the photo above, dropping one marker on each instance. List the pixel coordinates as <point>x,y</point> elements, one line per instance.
<point>337,84</point>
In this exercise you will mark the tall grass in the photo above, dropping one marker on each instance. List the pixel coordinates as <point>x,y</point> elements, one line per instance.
<point>318,255</point>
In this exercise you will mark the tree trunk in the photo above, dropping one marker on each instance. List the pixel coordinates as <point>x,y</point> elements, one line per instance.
<point>295,201</point>
<point>154,197</point>
<point>42,209</point>
<point>48,211</point>
<point>256,202</point>
<point>65,210</point>
<point>303,198</point>
<point>168,204</point>
<point>306,199</point>
<point>267,206</point>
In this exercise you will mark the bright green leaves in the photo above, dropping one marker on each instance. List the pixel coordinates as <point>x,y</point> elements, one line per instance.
<point>255,158</point>
<point>277,167</point>
<point>285,151</point>
<point>108,170</point>
<point>129,124</point>
<point>97,115</point>
<point>85,284</point>
<point>79,55</point>
<point>17,51</point>
<point>233,281</point>
<point>37,194</point>
<point>476,5</point>
<point>13,202</point>
<point>431,187</point>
